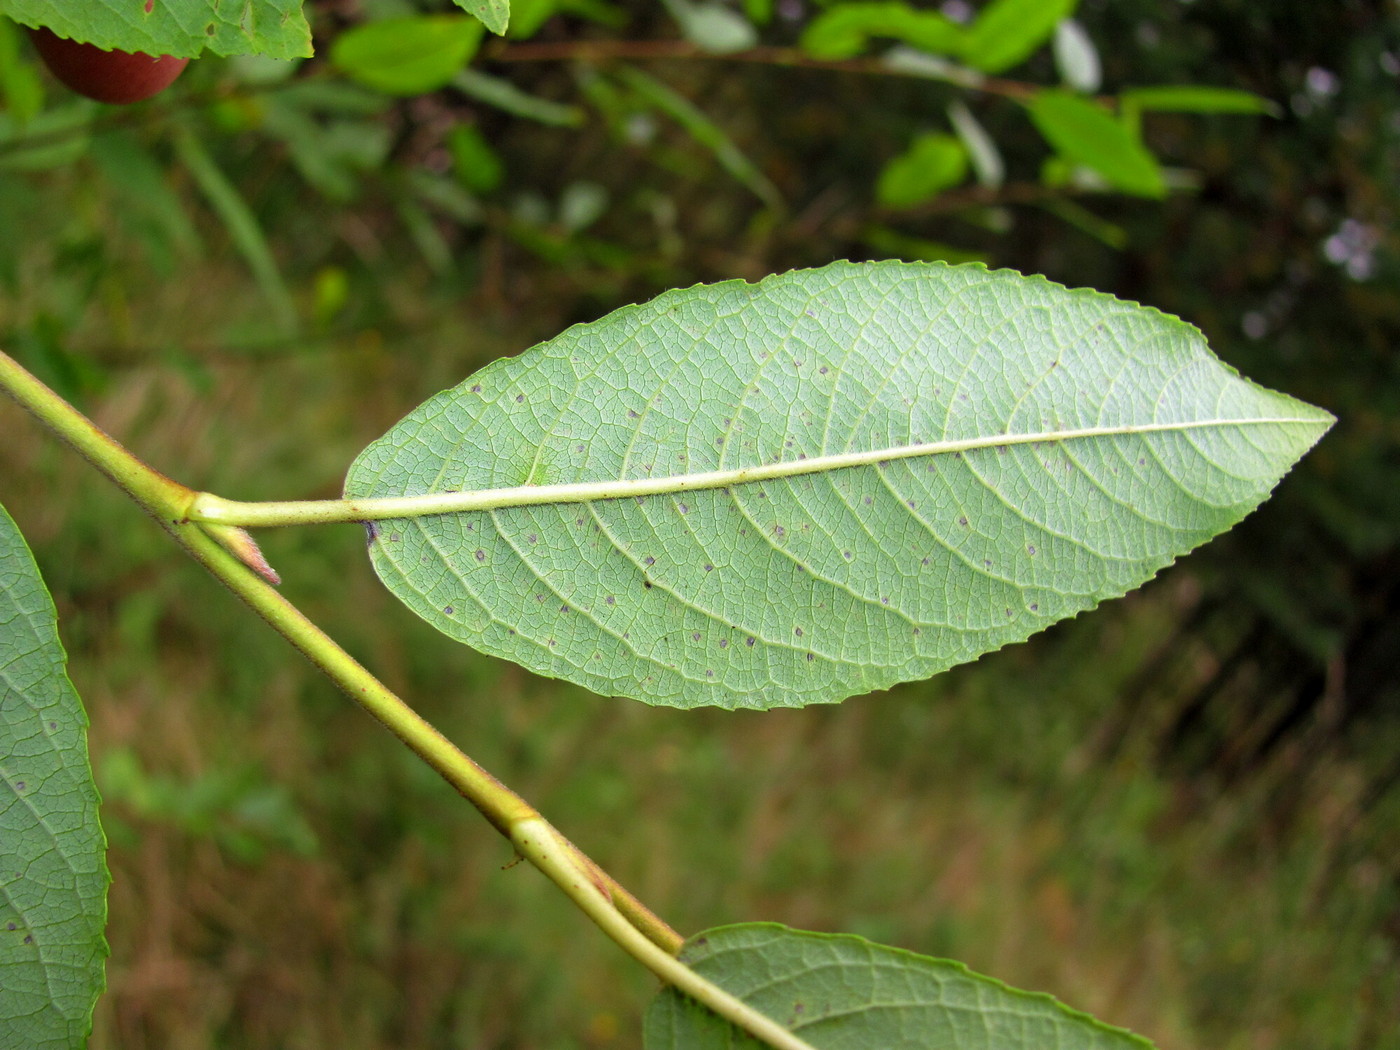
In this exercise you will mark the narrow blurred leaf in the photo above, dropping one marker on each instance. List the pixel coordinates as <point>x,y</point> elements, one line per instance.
<point>407,56</point>
<point>1076,58</point>
<point>53,873</point>
<point>241,225</point>
<point>1083,133</point>
<point>145,202</point>
<point>1188,99</point>
<point>841,992</point>
<point>1007,32</point>
<point>21,90</point>
<point>505,96</point>
<point>55,138</point>
<point>174,27</point>
<point>866,552</point>
<point>932,163</point>
<point>844,30</point>
<point>493,14</point>
<point>981,147</point>
<point>478,165</point>
<point>704,131</point>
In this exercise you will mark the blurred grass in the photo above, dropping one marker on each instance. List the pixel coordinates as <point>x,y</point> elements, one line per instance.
<point>311,886</point>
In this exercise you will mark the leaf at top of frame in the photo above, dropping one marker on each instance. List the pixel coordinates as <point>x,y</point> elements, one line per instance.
<point>53,875</point>
<point>822,484</point>
<point>185,28</point>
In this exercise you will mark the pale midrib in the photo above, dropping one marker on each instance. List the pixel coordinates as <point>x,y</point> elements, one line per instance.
<point>210,508</point>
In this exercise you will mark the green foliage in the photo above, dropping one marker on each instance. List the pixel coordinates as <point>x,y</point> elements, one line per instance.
<point>1006,32</point>
<point>863,552</point>
<point>844,30</point>
<point>1083,133</point>
<point>407,56</point>
<point>185,28</point>
<point>931,164</point>
<point>53,880</point>
<point>840,992</point>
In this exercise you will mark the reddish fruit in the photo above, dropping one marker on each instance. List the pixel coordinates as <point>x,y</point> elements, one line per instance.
<point>108,76</point>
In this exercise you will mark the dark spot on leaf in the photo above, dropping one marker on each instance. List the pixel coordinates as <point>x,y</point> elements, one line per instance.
<point>749,641</point>
<point>822,369</point>
<point>519,398</point>
<point>476,388</point>
<point>911,503</point>
<point>987,562</point>
<point>632,414</point>
<point>563,608</point>
<point>11,926</point>
<point>393,537</point>
<point>709,673</point>
<point>550,642</point>
<point>533,538</point>
<point>610,600</point>
<point>480,555</point>
<point>448,610</point>
<point>724,643</point>
<point>847,555</point>
<point>19,785</point>
<point>539,597</point>
<point>884,599</point>
<point>512,630</point>
<point>709,568</point>
<point>918,631</point>
<point>28,938</point>
<point>868,501</point>
<point>1031,550</point>
<point>648,560</point>
<point>925,561</point>
<point>695,636</point>
<point>53,725</point>
<point>797,631</point>
<point>647,584</point>
<point>1035,607</point>
<point>1008,614</point>
<point>962,520</point>
<point>684,508</point>
<point>779,531</point>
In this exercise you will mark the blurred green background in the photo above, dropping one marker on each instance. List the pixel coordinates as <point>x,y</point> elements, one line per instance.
<point>1181,813</point>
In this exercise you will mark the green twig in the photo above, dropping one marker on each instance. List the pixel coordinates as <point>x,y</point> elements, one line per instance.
<point>227,555</point>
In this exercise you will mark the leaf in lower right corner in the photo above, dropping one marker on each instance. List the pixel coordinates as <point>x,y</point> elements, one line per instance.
<point>841,992</point>
<point>53,877</point>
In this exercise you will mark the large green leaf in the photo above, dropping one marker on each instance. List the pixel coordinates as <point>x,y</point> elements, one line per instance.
<point>840,992</point>
<point>53,878</point>
<point>834,480</point>
<point>174,27</point>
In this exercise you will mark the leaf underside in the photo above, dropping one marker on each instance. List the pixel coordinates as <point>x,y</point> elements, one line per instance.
<point>815,587</point>
<point>53,876</point>
<point>841,992</point>
<point>185,28</point>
